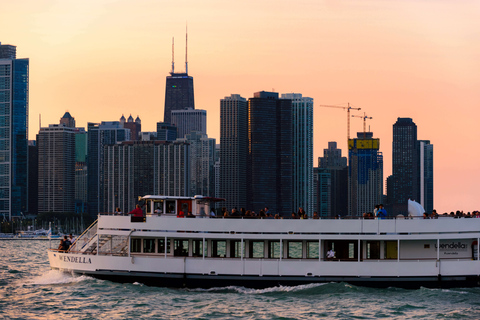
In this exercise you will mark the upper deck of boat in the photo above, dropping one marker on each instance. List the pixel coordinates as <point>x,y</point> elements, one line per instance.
<point>416,228</point>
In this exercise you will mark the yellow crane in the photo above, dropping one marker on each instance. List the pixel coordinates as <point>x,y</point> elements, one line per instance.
<point>364,117</point>
<point>348,108</point>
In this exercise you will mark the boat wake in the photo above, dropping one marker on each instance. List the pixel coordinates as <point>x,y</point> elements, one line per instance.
<point>278,289</point>
<point>57,277</point>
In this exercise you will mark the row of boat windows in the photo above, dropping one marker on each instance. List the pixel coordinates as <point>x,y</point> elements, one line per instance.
<point>260,249</point>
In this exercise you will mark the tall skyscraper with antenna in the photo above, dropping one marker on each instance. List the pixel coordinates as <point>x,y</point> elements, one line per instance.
<point>178,89</point>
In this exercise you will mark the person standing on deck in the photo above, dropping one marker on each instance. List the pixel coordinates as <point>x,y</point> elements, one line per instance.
<point>137,212</point>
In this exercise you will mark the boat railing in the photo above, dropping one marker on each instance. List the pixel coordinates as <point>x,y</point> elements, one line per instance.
<point>84,238</point>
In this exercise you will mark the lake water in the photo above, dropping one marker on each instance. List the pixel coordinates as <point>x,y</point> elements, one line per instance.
<point>30,290</point>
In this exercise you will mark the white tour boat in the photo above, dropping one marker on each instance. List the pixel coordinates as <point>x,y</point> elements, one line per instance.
<point>163,250</point>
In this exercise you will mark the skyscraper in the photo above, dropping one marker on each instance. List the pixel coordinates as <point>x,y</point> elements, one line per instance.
<point>302,152</point>
<point>404,182</point>
<point>336,165</point>
<point>178,91</point>
<point>14,79</point>
<point>425,157</point>
<point>365,173</point>
<point>99,136</point>
<point>269,162</point>
<point>233,151</point>
<point>138,168</point>
<point>189,120</point>
<point>56,169</point>
<point>202,159</point>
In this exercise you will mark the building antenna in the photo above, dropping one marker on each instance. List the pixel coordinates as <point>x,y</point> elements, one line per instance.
<point>39,120</point>
<point>173,55</point>
<point>186,48</point>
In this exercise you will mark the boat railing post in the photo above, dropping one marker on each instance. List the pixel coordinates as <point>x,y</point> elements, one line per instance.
<point>98,243</point>
<point>358,249</point>
<point>203,248</point>
<point>398,250</point>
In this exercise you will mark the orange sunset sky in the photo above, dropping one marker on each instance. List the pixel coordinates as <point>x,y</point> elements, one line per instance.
<point>403,58</point>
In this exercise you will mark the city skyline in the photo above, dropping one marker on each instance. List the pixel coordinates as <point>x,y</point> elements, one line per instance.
<point>393,59</point>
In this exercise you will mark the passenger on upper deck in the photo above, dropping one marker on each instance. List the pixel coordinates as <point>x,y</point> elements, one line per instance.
<point>315,215</point>
<point>381,213</point>
<point>181,214</point>
<point>137,212</point>
<point>118,211</point>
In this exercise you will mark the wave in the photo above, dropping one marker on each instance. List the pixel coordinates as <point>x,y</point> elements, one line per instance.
<point>277,289</point>
<point>57,277</point>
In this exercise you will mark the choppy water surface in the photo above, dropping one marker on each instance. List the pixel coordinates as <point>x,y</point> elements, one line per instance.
<point>30,290</point>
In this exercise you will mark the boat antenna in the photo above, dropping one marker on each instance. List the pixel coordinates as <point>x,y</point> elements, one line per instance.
<point>186,48</point>
<point>173,55</point>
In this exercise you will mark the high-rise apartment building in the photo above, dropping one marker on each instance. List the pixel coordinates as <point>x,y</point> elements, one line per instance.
<point>56,169</point>
<point>14,80</point>
<point>322,191</point>
<point>425,170</point>
<point>134,168</point>
<point>233,151</point>
<point>333,163</point>
<point>302,151</point>
<point>270,154</point>
<point>81,171</point>
<point>100,135</point>
<point>202,160</point>
<point>189,120</point>
<point>404,183</point>
<point>365,174</point>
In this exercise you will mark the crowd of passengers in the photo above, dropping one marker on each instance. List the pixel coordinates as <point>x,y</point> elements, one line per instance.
<point>378,213</point>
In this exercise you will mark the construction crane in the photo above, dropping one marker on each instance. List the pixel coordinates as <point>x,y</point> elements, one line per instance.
<point>348,108</point>
<point>364,117</point>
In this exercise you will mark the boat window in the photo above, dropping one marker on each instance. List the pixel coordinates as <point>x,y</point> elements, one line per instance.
<point>236,249</point>
<point>161,246</point>
<point>180,248</point>
<point>344,249</point>
<point>149,245</point>
<point>391,250</point>
<point>158,206</point>
<point>201,209</point>
<point>294,249</point>
<point>197,248</point>
<point>219,248</point>
<point>135,245</point>
<point>170,206</point>
<point>274,249</point>
<point>312,249</point>
<point>256,249</point>
<point>373,249</point>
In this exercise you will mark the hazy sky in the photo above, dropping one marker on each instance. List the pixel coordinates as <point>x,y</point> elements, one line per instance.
<point>404,58</point>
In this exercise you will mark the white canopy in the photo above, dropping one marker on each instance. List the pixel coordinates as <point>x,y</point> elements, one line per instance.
<point>415,209</point>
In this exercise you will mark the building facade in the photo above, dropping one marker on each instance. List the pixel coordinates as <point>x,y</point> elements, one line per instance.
<point>302,151</point>
<point>189,120</point>
<point>425,157</point>
<point>100,135</point>
<point>202,160</point>
<point>178,94</point>
<point>166,132</point>
<point>269,162</point>
<point>365,174</point>
<point>56,169</point>
<point>14,95</point>
<point>404,182</point>
<point>134,169</point>
<point>336,165</point>
<point>233,151</point>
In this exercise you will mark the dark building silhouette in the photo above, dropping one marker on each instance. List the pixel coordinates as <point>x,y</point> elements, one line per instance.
<point>32,177</point>
<point>404,183</point>
<point>98,137</point>
<point>233,151</point>
<point>178,94</point>
<point>269,162</point>
<point>166,131</point>
<point>335,165</point>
